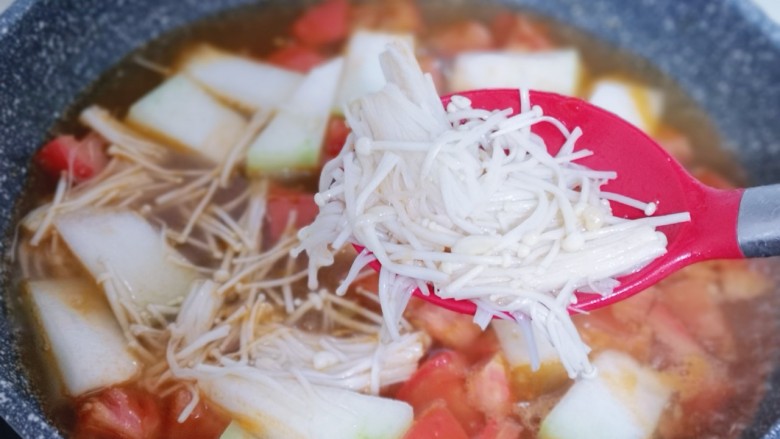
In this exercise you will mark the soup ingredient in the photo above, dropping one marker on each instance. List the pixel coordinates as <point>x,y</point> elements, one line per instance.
<point>624,401</point>
<point>557,71</point>
<point>124,252</point>
<point>181,114</point>
<point>296,57</point>
<point>80,159</point>
<point>472,202</point>
<point>81,333</point>
<point>362,70</point>
<point>637,104</point>
<point>119,413</point>
<point>325,23</point>
<point>252,85</point>
<point>289,409</point>
<point>293,138</point>
<point>437,421</point>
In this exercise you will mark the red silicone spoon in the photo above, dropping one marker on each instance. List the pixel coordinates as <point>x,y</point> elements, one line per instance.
<point>725,224</point>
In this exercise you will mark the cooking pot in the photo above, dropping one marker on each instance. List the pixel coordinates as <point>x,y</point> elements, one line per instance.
<point>724,53</point>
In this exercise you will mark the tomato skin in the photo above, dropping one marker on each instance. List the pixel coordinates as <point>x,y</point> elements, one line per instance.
<point>296,57</point>
<point>81,159</point>
<point>203,422</point>
<point>451,329</point>
<point>442,378</point>
<point>516,31</point>
<point>335,137</point>
<point>282,202</point>
<point>436,422</point>
<point>118,413</point>
<point>323,24</point>
<point>460,37</point>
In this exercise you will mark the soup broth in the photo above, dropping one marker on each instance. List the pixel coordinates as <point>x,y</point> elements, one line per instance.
<point>704,333</point>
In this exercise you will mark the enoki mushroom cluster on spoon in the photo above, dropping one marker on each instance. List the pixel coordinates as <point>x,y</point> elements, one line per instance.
<point>471,202</point>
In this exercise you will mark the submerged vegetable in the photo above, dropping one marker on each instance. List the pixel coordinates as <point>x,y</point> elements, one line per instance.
<point>286,409</point>
<point>183,115</point>
<point>250,84</point>
<point>293,139</point>
<point>87,345</point>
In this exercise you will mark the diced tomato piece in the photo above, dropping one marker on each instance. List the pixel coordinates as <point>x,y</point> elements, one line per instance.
<point>433,65</point>
<point>501,429</point>
<point>118,413</point>
<point>442,378</point>
<point>489,389</point>
<point>459,37</point>
<point>601,330</point>
<point>282,203</point>
<point>203,423</point>
<point>387,15</point>
<point>81,159</point>
<point>335,137</point>
<point>436,422</point>
<point>517,31</point>
<point>672,333</point>
<point>693,300</point>
<point>296,57</point>
<point>322,24</point>
<point>483,347</point>
<point>633,311</point>
<point>453,330</point>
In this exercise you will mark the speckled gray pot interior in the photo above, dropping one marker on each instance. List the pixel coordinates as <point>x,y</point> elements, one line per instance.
<point>724,53</point>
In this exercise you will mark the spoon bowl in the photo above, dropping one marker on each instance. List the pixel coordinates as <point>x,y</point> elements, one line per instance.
<point>725,224</point>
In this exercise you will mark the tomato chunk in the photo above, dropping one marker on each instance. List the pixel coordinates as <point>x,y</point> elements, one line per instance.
<point>282,203</point>
<point>387,15</point>
<point>436,422</point>
<point>335,137</point>
<point>453,330</point>
<point>118,413</point>
<point>81,159</point>
<point>442,378</point>
<point>463,36</point>
<point>516,31</point>
<point>322,24</point>
<point>202,423</point>
<point>296,57</point>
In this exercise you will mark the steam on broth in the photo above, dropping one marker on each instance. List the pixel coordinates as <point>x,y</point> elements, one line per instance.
<point>156,267</point>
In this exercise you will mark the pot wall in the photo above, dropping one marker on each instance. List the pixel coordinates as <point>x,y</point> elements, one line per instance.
<point>725,54</point>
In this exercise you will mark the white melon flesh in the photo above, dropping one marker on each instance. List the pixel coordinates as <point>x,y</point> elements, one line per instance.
<point>557,71</point>
<point>234,431</point>
<point>624,401</point>
<point>637,104</point>
<point>362,70</point>
<point>293,139</point>
<point>181,114</point>
<point>249,84</point>
<point>85,340</point>
<point>288,411</point>
<point>125,245</point>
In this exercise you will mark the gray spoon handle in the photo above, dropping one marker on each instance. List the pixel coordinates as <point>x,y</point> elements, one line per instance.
<point>758,222</point>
